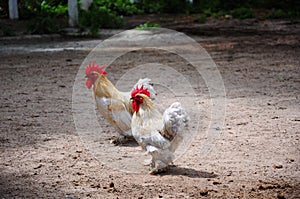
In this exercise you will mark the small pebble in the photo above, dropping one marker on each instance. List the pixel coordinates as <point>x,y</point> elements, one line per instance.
<point>277,166</point>
<point>203,193</point>
<point>111,184</point>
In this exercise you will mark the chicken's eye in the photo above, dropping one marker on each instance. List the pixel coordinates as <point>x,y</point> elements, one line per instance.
<point>138,99</point>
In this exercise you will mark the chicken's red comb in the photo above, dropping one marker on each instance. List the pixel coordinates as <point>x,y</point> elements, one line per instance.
<point>95,67</point>
<point>141,90</point>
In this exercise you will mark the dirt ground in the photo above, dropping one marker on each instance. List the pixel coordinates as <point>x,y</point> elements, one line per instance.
<point>256,156</point>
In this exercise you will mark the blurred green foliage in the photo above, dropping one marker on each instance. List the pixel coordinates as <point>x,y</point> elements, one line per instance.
<point>30,9</point>
<point>280,14</point>
<point>47,16</point>
<point>283,8</point>
<point>202,19</point>
<point>44,16</point>
<point>242,13</point>
<point>130,7</point>
<point>99,17</point>
<point>6,31</point>
<point>243,9</point>
<point>146,25</point>
<point>121,7</point>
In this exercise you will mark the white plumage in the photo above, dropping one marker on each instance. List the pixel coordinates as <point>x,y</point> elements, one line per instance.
<point>158,134</point>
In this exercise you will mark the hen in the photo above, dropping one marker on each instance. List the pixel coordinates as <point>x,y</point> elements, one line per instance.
<point>113,105</point>
<point>158,134</point>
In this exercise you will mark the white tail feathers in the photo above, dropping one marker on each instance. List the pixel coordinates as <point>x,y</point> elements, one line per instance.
<point>174,119</point>
<point>146,82</point>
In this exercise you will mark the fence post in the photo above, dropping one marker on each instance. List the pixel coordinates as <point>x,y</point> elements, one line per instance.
<point>73,12</point>
<point>85,4</point>
<point>13,9</point>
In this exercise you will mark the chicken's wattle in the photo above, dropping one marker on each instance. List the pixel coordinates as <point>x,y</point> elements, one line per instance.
<point>135,106</point>
<point>88,83</point>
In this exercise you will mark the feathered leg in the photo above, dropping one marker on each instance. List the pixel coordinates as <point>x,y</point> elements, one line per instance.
<point>160,159</point>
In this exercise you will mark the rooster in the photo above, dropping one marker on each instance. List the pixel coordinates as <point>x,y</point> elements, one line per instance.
<point>159,135</point>
<point>112,104</point>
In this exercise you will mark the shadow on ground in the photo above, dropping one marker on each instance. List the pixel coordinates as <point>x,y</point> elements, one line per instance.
<point>189,172</point>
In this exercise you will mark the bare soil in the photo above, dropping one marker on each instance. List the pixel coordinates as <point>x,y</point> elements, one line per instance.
<point>256,156</point>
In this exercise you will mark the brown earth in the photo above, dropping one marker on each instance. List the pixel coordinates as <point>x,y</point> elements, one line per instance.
<point>256,156</point>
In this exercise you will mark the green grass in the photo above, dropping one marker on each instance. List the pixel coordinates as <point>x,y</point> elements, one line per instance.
<point>147,25</point>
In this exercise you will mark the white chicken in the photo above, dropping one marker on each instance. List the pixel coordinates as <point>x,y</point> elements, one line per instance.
<point>158,134</point>
<point>111,103</point>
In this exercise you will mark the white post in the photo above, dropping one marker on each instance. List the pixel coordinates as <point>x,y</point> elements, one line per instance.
<point>13,9</point>
<point>73,12</point>
<point>85,4</point>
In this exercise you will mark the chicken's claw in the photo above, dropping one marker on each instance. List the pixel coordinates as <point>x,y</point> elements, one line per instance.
<point>148,162</point>
<point>119,140</point>
<point>155,171</point>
